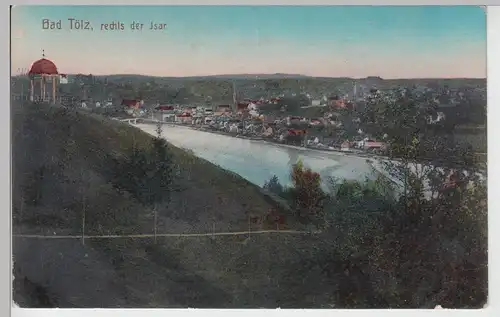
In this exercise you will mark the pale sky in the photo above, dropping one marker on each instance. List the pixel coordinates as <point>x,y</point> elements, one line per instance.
<point>332,41</point>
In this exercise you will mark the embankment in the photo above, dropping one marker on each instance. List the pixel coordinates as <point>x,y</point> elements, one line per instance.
<point>60,170</point>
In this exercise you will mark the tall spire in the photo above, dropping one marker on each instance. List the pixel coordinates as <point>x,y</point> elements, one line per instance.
<point>235,97</point>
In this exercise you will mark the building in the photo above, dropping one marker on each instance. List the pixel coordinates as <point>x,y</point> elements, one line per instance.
<point>370,144</point>
<point>132,103</point>
<point>184,117</point>
<point>242,106</point>
<point>315,122</point>
<point>63,79</point>
<point>274,100</point>
<point>440,116</point>
<point>335,102</point>
<point>295,120</point>
<point>164,108</point>
<point>345,146</point>
<point>223,108</point>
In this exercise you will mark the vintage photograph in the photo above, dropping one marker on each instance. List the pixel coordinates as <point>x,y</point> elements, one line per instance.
<point>249,157</point>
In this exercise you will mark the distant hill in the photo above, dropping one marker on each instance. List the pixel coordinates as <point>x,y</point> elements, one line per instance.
<point>276,76</point>
<point>260,76</point>
<point>370,80</point>
<point>219,88</point>
<point>222,76</point>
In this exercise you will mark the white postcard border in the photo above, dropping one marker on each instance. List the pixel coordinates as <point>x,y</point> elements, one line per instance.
<point>493,14</point>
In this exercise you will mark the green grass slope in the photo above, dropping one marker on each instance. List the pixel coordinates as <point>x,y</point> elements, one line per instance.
<point>60,167</point>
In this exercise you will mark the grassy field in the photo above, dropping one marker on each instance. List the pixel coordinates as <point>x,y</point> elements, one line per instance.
<point>71,149</point>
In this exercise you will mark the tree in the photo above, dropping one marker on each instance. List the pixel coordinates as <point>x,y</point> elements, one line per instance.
<point>292,104</point>
<point>90,80</point>
<point>84,189</point>
<point>433,199</point>
<point>147,173</point>
<point>431,223</point>
<point>307,189</point>
<point>274,186</point>
<point>160,176</point>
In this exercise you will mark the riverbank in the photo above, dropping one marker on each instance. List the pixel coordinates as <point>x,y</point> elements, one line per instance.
<point>353,153</point>
<point>374,161</point>
<point>348,153</point>
<point>258,160</point>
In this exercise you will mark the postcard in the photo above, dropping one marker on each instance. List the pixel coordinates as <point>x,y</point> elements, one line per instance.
<point>249,157</point>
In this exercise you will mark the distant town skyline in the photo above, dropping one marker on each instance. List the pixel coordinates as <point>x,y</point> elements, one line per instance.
<point>323,41</point>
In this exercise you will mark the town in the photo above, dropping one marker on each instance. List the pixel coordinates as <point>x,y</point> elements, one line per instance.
<point>341,119</point>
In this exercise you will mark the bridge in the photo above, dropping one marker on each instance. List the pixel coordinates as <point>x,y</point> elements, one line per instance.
<point>130,121</point>
<point>134,121</point>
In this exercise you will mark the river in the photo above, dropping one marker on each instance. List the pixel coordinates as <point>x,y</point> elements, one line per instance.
<point>258,161</point>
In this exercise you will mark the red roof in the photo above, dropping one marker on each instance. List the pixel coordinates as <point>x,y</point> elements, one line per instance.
<point>242,105</point>
<point>130,102</point>
<point>374,144</point>
<point>296,132</point>
<point>165,107</point>
<point>43,66</point>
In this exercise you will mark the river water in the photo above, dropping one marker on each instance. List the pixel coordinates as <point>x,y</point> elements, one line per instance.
<point>258,161</point>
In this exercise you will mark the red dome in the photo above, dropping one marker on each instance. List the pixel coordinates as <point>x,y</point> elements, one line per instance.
<point>43,66</point>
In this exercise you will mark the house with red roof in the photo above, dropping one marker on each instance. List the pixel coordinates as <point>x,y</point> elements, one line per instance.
<point>165,108</point>
<point>132,103</point>
<point>223,108</point>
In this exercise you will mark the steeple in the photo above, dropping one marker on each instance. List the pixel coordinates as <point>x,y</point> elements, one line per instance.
<point>235,97</point>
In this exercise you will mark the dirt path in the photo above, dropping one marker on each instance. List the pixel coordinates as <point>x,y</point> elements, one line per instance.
<point>149,236</point>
